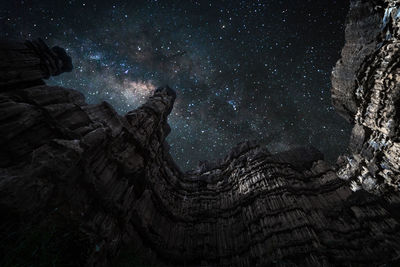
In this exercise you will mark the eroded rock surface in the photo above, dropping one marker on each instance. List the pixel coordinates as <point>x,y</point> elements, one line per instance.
<point>375,143</point>
<point>85,185</point>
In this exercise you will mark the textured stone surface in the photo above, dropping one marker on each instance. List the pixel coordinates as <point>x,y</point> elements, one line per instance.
<point>99,183</point>
<point>375,143</point>
<point>363,25</point>
<point>25,64</point>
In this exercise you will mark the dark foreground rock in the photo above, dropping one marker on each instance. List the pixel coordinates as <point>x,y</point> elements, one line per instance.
<point>81,185</point>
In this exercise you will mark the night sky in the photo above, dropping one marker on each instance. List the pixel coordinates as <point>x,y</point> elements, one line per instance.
<point>242,70</point>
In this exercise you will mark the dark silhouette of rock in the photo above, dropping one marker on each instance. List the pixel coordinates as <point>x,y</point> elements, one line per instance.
<point>81,185</point>
<point>26,64</point>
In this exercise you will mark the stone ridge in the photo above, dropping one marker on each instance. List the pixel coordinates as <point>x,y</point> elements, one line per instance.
<point>81,185</point>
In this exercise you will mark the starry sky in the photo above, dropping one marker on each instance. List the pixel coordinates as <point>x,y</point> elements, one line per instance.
<point>242,70</point>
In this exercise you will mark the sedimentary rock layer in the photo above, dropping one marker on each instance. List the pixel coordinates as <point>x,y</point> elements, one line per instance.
<point>375,142</point>
<point>82,185</point>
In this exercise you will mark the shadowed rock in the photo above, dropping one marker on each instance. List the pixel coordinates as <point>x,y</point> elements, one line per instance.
<point>81,185</point>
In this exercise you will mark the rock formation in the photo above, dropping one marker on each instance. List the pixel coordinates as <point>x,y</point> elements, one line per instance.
<point>371,94</point>
<point>81,185</point>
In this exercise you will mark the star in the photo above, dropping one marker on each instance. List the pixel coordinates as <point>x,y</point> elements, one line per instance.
<point>242,69</point>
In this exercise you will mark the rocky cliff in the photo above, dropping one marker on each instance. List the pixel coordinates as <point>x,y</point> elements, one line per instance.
<point>83,186</point>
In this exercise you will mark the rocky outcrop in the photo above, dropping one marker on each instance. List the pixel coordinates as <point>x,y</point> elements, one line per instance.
<point>363,25</point>
<point>375,144</point>
<point>82,185</point>
<point>25,64</point>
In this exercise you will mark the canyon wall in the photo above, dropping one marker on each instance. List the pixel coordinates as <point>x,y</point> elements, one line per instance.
<point>81,185</point>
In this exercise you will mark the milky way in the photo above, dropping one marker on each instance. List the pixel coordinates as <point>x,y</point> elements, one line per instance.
<point>242,70</point>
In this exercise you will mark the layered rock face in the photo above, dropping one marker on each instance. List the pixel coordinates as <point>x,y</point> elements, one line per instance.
<point>81,185</point>
<point>373,90</point>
